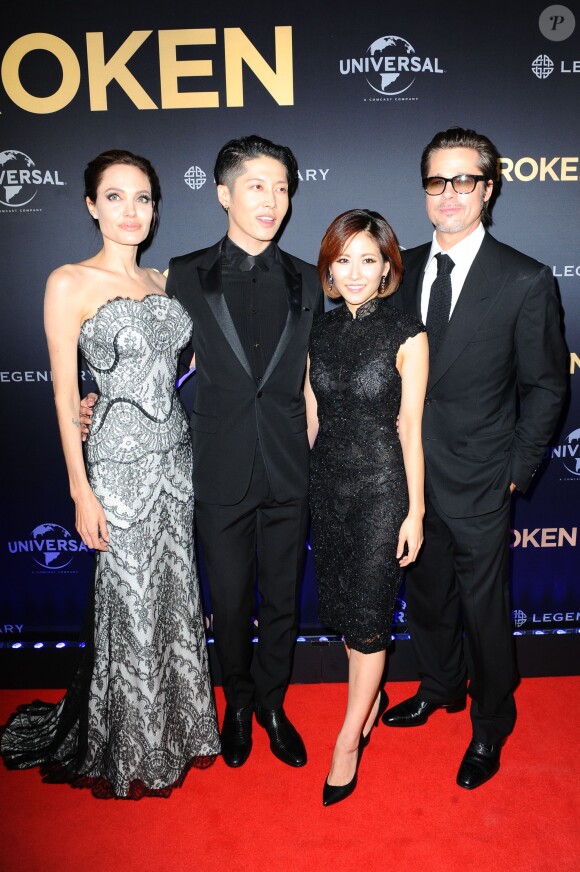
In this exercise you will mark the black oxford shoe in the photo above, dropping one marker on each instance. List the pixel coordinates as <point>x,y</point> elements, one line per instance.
<point>479,764</point>
<point>414,712</point>
<point>236,735</point>
<point>285,742</point>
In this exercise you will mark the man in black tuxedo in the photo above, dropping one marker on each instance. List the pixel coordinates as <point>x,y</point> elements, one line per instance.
<point>252,307</point>
<point>495,391</point>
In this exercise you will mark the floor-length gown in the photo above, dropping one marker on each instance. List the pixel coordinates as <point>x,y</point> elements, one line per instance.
<point>358,488</point>
<point>140,710</point>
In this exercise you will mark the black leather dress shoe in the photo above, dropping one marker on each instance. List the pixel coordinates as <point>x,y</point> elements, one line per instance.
<point>414,712</point>
<point>285,742</point>
<point>236,735</point>
<point>479,764</point>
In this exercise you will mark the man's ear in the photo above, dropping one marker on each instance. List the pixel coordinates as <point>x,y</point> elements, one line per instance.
<point>223,194</point>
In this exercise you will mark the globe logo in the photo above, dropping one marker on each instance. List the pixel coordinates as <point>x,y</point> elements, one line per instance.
<point>519,618</point>
<point>53,546</point>
<point>542,67</point>
<point>392,76</point>
<point>572,454</point>
<point>399,616</point>
<point>16,171</point>
<point>195,178</point>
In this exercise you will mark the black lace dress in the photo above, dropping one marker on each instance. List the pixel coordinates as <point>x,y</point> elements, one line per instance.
<point>140,711</point>
<point>358,489</point>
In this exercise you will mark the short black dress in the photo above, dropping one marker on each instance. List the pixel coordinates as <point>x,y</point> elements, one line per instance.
<point>358,487</point>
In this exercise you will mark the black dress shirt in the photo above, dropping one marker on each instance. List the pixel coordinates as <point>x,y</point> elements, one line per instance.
<point>257,299</point>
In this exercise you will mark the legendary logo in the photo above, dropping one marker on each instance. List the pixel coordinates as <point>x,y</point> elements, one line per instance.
<point>195,178</point>
<point>569,271</point>
<point>20,179</point>
<point>520,618</point>
<point>390,65</point>
<point>542,66</point>
<point>36,375</point>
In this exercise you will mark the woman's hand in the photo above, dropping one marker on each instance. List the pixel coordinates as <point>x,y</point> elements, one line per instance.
<point>86,413</point>
<point>411,535</point>
<point>90,521</point>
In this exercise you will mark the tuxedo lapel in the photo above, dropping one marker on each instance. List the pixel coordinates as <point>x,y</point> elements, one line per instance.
<point>210,278</point>
<point>294,289</point>
<point>483,283</point>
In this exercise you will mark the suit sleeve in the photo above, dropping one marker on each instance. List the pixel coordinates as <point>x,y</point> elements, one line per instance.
<point>541,373</point>
<point>319,308</point>
<point>171,289</point>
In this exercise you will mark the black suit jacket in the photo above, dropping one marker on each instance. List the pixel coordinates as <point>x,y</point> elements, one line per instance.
<point>497,387</point>
<point>231,410</point>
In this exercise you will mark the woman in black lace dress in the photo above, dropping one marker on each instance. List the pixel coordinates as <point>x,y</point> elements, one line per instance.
<point>367,370</point>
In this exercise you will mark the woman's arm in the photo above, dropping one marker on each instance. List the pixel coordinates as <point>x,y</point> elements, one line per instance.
<point>62,322</point>
<point>311,407</point>
<point>413,366</point>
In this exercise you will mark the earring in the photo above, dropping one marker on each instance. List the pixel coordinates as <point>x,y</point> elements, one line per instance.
<point>330,281</point>
<point>383,283</point>
<point>225,208</point>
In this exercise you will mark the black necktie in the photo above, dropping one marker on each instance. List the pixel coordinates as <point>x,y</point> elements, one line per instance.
<point>439,303</point>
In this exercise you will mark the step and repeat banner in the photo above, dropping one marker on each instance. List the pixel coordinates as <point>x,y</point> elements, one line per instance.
<point>356,95</point>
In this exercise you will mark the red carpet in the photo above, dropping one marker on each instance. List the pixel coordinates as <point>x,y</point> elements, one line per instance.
<point>407,813</point>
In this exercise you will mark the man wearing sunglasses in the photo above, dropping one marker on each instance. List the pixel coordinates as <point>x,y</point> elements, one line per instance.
<point>496,389</point>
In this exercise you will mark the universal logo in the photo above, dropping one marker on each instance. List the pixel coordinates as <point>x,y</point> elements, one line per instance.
<point>400,613</point>
<point>390,67</point>
<point>21,180</point>
<point>51,546</point>
<point>568,453</point>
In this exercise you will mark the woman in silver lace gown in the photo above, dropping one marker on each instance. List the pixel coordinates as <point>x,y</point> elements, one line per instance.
<point>140,710</point>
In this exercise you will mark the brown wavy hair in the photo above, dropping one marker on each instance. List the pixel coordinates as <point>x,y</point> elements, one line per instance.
<point>342,229</point>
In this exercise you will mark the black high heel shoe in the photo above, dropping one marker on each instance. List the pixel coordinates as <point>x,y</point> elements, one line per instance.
<point>332,793</point>
<point>383,703</point>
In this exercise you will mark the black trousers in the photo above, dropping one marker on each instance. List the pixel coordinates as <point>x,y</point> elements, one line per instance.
<point>460,619</point>
<point>256,538</point>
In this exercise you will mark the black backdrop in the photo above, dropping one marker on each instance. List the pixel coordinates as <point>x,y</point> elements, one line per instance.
<point>356,94</point>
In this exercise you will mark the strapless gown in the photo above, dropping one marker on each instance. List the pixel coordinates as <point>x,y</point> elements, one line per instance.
<point>140,710</point>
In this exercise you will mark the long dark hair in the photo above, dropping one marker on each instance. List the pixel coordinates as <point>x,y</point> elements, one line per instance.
<point>98,165</point>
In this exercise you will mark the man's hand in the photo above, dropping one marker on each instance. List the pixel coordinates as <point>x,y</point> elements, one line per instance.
<point>86,414</point>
